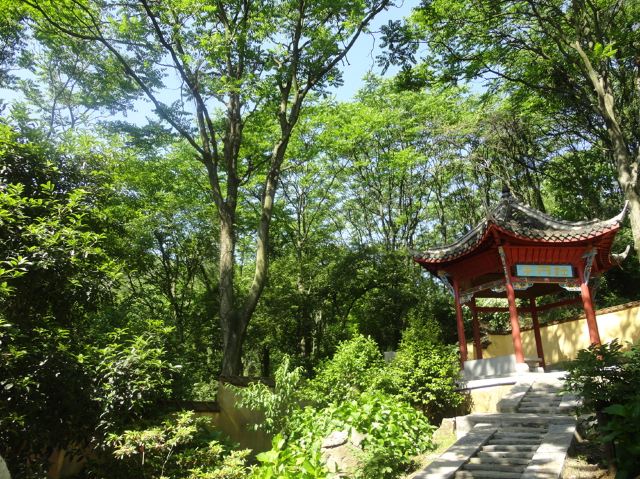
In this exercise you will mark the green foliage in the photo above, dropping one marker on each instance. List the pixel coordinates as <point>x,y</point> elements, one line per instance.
<point>621,429</point>
<point>606,377</point>
<point>288,460</point>
<point>10,39</point>
<point>599,376</point>
<point>394,431</point>
<point>181,447</point>
<point>55,273</point>
<point>44,396</point>
<point>356,366</point>
<point>278,404</point>
<point>52,259</point>
<point>132,375</point>
<point>424,373</point>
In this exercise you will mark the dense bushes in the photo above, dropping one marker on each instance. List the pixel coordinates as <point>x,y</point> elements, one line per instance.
<point>356,366</point>
<point>358,393</point>
<point>424,373</point>
<point>607,378</point>
<point>181,446</point>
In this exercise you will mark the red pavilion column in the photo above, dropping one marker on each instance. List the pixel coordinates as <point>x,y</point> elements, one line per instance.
<point>587,303</point>
<point>460,324</point>
<point>477,344</point>
<point>536,331</point>
<point>513,309</point>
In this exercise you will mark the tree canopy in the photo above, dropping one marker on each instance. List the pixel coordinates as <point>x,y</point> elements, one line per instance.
<point>183,197</point>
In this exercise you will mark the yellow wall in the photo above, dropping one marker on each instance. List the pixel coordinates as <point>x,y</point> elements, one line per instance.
<point>561,342</point>
<point>237,422</point>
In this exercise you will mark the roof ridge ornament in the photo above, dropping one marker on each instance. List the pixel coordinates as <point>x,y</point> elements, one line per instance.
<point>618,258</point>
<point>623,214</point>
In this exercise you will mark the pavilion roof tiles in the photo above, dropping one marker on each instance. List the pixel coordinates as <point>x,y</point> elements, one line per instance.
<point>518,220</point>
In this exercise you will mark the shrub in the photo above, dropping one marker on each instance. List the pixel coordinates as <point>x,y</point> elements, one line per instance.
<point>288,460</point>
<point>622,431</point>
<point>180,447</point>
<point>44,397</point>
<point>601,374</point>
<point>424,374</point>
<point>357,366</point>
<point>606,377</point>
<point>132,374</point>
<point>394,432</point>
<point>278,404</point>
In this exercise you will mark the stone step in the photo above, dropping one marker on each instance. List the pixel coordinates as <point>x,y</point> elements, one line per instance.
<point>487,474</point>
<point>506,461</point>
<point>528,399</point>
<point>521,441</point>
<point>519,434</point>
<point>545,405</point>
<point>546,397</point>
<point>494,467</point>
<point>514,448</point>
<point>508,455</point>
<point>531,429</point>
<point>537,409</point>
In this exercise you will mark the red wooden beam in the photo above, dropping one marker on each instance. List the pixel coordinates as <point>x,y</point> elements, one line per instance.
<point>527,309</point>
<point>536,331</point>
<point>558,304</point>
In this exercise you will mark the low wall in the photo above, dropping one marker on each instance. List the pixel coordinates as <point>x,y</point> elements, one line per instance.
<point>562,341</point>
<point>238,423</point>
<point>485,400</point>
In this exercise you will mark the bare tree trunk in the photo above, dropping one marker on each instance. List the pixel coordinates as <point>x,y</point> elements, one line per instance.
<point>634,216</point>
<point>230,320</point>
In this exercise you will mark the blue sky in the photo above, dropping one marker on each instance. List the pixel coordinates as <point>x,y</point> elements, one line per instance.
<point>361,58</point>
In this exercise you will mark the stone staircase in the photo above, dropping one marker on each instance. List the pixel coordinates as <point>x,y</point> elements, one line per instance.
<point>506,454</point>
<point>528,439</point>
<point>541,398</point>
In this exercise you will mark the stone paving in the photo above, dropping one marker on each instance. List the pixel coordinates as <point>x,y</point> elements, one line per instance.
<point>529,437</point>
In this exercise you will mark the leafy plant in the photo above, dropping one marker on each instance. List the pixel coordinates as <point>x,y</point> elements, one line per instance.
<point>132,375</point>
<point>182,446</point>
<point>44,396</point>
<point>278,404</point>
<point>356,366</point>
<point>288,460</point>
<point>621,429</point>
<point>598,375</point>
<point>394,431</point>
<point>424,373</point>
<point>606,378</point>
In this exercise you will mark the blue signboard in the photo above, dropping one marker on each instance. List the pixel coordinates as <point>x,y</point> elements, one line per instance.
<point>544,270</point>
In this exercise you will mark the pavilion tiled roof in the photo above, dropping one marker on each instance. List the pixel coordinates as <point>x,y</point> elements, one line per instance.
<point>517,219</point>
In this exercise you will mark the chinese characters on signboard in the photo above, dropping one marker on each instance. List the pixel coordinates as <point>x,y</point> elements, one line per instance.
<point>544,270</point>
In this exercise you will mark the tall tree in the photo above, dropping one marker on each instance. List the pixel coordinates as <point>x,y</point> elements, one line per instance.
<point>253,59</point>
<point>10,39</point>
<point>582,55</point>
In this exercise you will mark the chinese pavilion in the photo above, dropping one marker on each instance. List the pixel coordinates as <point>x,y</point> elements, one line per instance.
<point>520,252</point>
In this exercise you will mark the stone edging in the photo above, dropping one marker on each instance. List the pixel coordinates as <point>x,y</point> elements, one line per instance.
<point>511,400</point>
<point>548,461</point>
